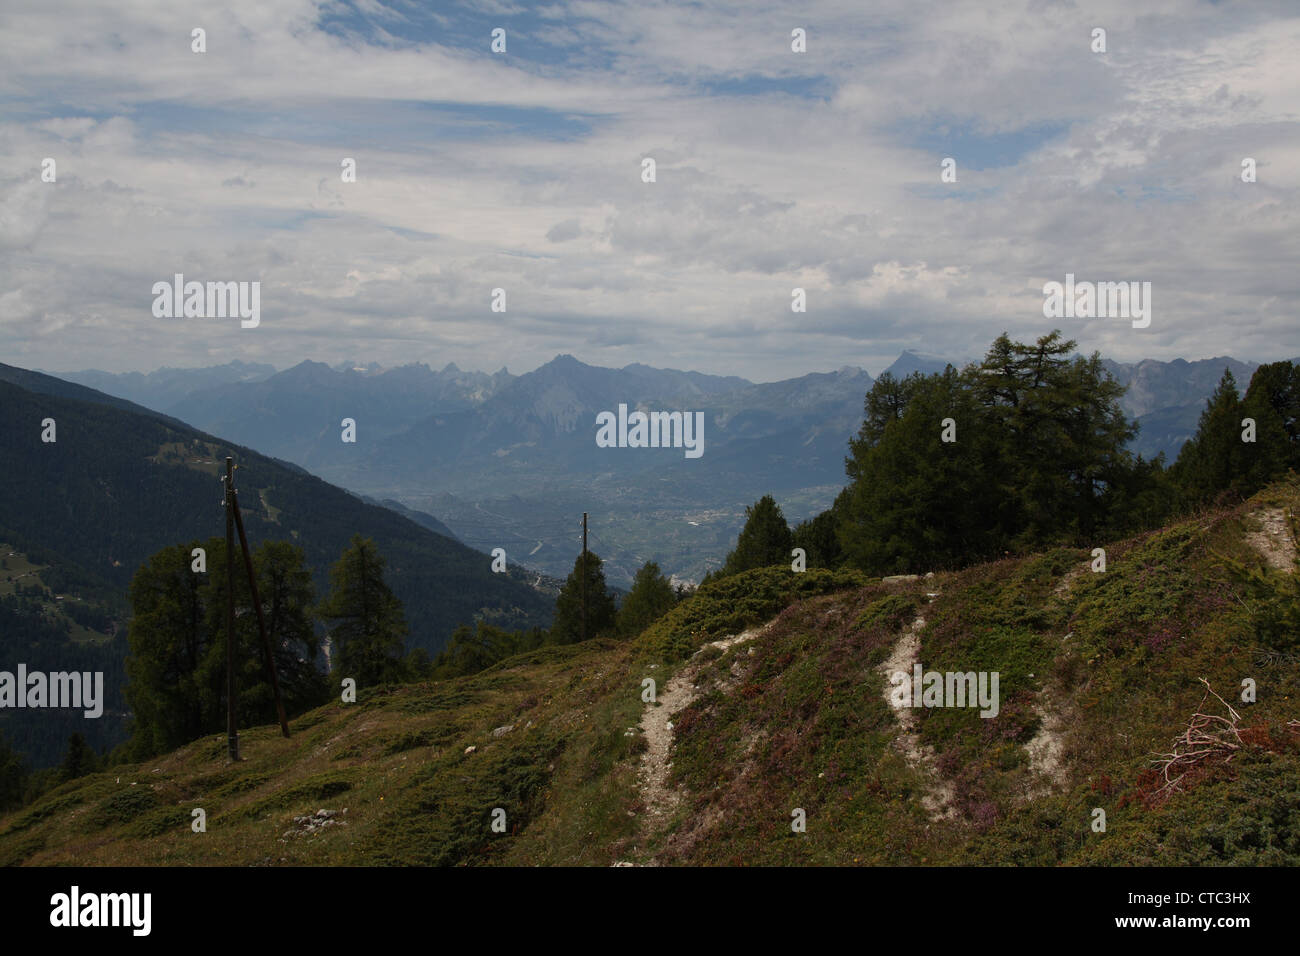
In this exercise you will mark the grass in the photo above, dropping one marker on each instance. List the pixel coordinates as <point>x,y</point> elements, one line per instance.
<point>795,719</point>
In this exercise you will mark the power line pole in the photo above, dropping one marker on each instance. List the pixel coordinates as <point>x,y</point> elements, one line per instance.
<point>584,576</point>
<point>232,733</point>
<point>268,659</point>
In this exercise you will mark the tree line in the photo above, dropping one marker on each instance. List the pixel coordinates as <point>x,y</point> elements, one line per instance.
<point>176,665</point>
<point>1024,450</point>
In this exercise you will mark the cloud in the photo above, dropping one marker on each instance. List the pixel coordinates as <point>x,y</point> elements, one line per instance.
<point>775,170</point>
<point>564,231</point>
<point>24,210</point>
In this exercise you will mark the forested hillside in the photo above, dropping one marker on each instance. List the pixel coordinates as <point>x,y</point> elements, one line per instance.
<point>117,486</point>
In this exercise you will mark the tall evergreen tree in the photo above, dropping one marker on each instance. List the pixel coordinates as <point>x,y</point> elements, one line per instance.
<point>651,597</point>
<point>764,540</point>
<point>288,596</point>
<point>817,536</point>
<point>172,700</point>
<point>13,776</point>
<point>1273,402</point>
<point>367,624</point>
<point>1039,457</point>
<point>601,613</point>
<point>1211,462</point>
<point>917,501</point>
<point>176,669</point>
<point>78,760</point>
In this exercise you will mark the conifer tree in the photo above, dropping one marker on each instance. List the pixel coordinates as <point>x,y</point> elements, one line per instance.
<point>13,776</point>
<point>1211,461</point>
<point>176,669</point>
<point>78,760</point>
<point>601,613</point>
<point>764,540</point>
<point>651,597</point>
<point>367,626</point>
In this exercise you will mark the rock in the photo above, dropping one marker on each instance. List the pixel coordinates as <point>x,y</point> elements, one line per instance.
<point>502,731</point>
<point>470,749</point>
<point>900,578</point>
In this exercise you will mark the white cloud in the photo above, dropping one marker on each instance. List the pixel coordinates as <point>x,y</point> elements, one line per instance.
<point>226,165</point>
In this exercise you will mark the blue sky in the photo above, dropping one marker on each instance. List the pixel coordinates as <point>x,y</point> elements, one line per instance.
<point>775,170</point>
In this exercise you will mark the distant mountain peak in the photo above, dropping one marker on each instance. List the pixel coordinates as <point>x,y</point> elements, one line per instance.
<point>910,361</point>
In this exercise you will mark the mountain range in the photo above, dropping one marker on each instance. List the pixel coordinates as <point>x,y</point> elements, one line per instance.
<point>120,481</point>
<point>502,460</point>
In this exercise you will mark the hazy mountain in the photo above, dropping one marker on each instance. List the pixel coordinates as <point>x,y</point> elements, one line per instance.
<point>1155,385</point>
<point>1167,398</point>
<point>521,467</point>
<point>510,461</point>
<point>911,361</point>
<point>121,483</point>
<point>165,387</point>
<point>296,414</point>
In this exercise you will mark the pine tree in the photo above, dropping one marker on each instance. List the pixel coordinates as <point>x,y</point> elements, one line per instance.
<point>13,776</point>
<point>1211,461</point>
<point>78,760</point>
<point>288,595</point>
<point>764,540</point>
<point>919,502</point>
<point>1273,402</point>
<point>1039,457</point>
<point>172,701</point>
<point>176,670</point>
<point>368,626</point>
<point>601,614</point>
<point>818,538</point>
<point>651,597</point>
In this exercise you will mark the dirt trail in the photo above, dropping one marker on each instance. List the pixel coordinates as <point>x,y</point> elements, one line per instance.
<point>1273,540</point>
<point>1069,577</point>
<point>1046,747</point>
<point>940,793</point>
<point>657,721</point>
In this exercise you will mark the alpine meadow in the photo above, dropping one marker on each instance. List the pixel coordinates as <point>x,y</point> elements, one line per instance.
<point>467,433</point>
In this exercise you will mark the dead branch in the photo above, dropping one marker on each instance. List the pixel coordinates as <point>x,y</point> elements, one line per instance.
<point>1208,736</point>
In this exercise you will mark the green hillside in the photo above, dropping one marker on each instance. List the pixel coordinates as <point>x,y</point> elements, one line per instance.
<point>772,692</point>
<point>120,483</point>
<point>56,613</point>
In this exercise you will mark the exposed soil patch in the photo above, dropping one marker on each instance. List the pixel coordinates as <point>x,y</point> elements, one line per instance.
<point>659,798</point>
<point>1273,539</point>
<point>939,793</point>
<point>1047,746</point>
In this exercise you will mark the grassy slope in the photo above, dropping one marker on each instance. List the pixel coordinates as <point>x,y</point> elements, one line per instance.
<point>794,719</point>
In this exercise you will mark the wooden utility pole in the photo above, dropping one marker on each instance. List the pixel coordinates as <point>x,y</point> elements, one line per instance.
<point>584,577</point>
<point>232,732</point>
<point>268,659</point>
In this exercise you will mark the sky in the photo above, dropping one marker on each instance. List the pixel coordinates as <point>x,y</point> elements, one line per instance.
<point>522,171</point>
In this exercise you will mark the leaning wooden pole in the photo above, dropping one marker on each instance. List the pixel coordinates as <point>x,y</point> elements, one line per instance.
<point>267,657</point>
<point>232,730</point>
<point>584,577</point>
